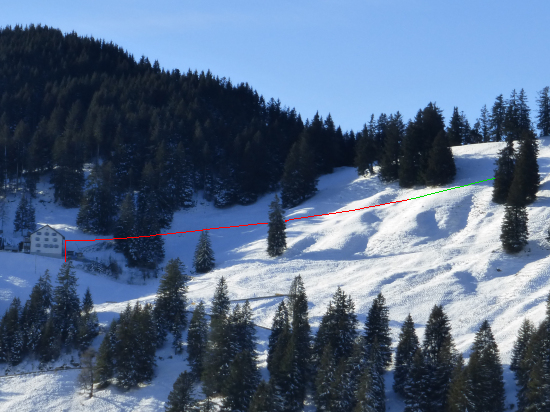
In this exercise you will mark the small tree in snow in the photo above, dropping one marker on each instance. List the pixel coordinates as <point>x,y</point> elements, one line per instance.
<point>86,376</point>
<point>276,236</point>
<point>204,255</point>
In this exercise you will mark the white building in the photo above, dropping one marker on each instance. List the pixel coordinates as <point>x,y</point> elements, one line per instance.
<point>47,241</point>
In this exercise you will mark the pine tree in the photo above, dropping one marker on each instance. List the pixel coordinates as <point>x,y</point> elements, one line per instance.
<point>455,129</point>
<point>66,305</point>
<point>410,158</point>
<point>180,399</point>
<point>459,394</point>
<point>277,345</point>
<point>24,216</point>
<point>441,166</point>
<point>299,181</point>
<point>525,184</point>
<point>543,115</point>
<point>243,333</point>
<point>365,151</point>
<point>523,113</point>
<point>171,302</point>
<point>514,231</point>
<point>37,309</point>
<point>262,401</point>
<point>50,342</point>
<point>417,386</point>
<point>371,393</point>
<point>242,382</point>
<point>105,364</point>
<point>525,332</point>
<point>512,126</point>
<point>439,355</point>
<point>86,376</point>
<point>197,336</point>
<point>218,352</point>
<point>204,255</point>
<point>389,162</point>
<point>88,325</point>
<point>404,355</point>
<point>97,207</point>
<point>125,226</point>
<point>504,173</point>
<point>324,379</point>
<point>485,125</point>
<point>486,385</point>
<point>276,235</point>
<point>377,327</point>
<point>11,335</point>
<point>497,119</point>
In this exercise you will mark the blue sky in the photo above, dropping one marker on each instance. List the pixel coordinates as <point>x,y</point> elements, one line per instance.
<point>349,58</point>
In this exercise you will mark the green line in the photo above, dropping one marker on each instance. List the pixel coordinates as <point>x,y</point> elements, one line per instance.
<point>456,187</point>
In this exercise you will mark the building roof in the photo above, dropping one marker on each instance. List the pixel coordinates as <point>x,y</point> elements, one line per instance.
<point>48,227</point>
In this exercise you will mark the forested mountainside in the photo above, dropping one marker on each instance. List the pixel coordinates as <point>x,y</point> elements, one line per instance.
<point>67,100</point>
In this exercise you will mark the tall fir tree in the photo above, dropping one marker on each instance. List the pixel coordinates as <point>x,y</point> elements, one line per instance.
<point>410,157</point>
<point>180,398</point>
<point>485,379</point>
<point>24,216</point>
<point>276,232</point>
<point>417,396</point>
<point>88,325</point>
<point>497,119</point>
<point>125,226</point>
<point>36,310</point>
<point>171,301</point>
<point>262,401</point>
<point>440,356</point>
<point>512,126</point>
<point>197,339</point>
<point>276,345</point>
<point>299,181</point>
<point>218,352</point>
<point>441,165</point>
<point>377,328</point>
<point>525,184</point>
<point>371,394</point>
<point>485,125</point>
<point>203,261</point>
<point>404,355</point>
<point>389,159</point>
<point>514,230</point>
<point>324,379</point>
<point>66,305</point>
<point>543,115</point>
<point>459,394</point>
<point>523,113</point>
<point>455,129</point>
<point>365,151</point>
<point>11,334</point>
<point>504,173</point>
<point>105,363</point>
<point>241,383</point>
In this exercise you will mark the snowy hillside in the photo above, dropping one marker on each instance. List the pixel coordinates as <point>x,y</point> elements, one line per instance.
<point>442,249</point>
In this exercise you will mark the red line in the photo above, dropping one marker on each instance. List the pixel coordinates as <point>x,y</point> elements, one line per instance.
<point>230,227</point>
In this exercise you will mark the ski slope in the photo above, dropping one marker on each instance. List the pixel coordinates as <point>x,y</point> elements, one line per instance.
<point>441,249</point>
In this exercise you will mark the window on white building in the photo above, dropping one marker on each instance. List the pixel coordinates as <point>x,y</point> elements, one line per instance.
<point>38,245</point>
<point>56,246</point>
<point>54,234</point>
<point>37,239</point>
<point>47,233</point>
<point>38,233</point>
<point>55,240</point>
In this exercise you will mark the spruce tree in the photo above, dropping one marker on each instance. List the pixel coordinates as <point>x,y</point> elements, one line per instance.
<point>525,332</point>
<point>543,115</point>
<point>497,119</point>
<point>50,342</point>
<point>148,249</point>
<point>276,235</point>
<point>459,394</point>
<point>197,336</point>
<point>404,355</point>
<point>279,326</point>
<point>243,333</point>
<point>88,325</point>
<point>240,385</point>
<point>523,113</point>
<point>24,216</point>
<point>441,165</point>
<point>485,381</point>
<point>171,302</point>
<point>514,231</point>
<point>485,125</point>
<point>454,131</point>
<point>439,355</point>
<point>389,162</point>
<point>371,394</point>
<point>525,184</point>
<point>262,401</point>
<point>365,152</point>
<point>410,157</point>
<point>504,173</point>
<point>218,352</point>
<point>324,379</point>
<point>11,335</point>
<point>37,309</point>
<point>203,261</point>
<point>377,327</point>
<point>417,396</point>
<point>180,398</point>
<point>512,121</point>
<point>105,364</point>
<point>299,181</point>
<point>66,305</point>
<point>125,227</point>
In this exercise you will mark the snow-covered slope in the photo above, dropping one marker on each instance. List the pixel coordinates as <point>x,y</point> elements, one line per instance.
<point>441,249</point>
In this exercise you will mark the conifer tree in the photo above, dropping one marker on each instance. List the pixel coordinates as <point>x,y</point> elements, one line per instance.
<point>543,115</point>
<point>525,184</point>
<point>197,336</point>
<point>66,305</point>
<point>514,231</point>
<point>24,216</point>
<point>86,376</point>
<point>180,398</point>
<point>525,332</point>
<point>171,302</point>
<point>441,165</point>
<point>50,342</point>
<point>36,312</point>
<point>371,393</point>
<point>485,125</point>
<point>88,325</point>
<point>68,176</point>
<point>365,152</point>
<point>439,355</point>
<point>512,122</point>
<point>416,387</point>
<point>497,119</point>
<point>262,401</point>
<point>11,335</point>
<point>125,226</point>
<point>324,379</point>
<point>105,363</point>
<point>279,326</point>
<point>459,394</point>
<point>523,113</point>
<point>504,173</point>
<point>242,382</point>
<point>276,235</point>
<point>148,249</point>
<point>389,162</point>
<point>455,129</point>
<point>218,352</point>
<point>97,207</point>
<point>410,157</point>
<point>377,328</point>
<point>203,261</point>
<point>485,381</point>
<point>299,181</point>
<point>404,355</point>
<point>243,333</point>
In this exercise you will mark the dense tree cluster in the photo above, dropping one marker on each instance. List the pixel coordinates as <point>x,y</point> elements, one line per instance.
<point>25,219</point>
<point>51,320</point>
<point>203,260</point>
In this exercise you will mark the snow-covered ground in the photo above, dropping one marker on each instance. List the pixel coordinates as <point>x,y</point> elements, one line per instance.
<point>441,249</point>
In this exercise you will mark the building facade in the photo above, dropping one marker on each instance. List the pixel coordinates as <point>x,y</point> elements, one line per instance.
<point>47,241</point>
